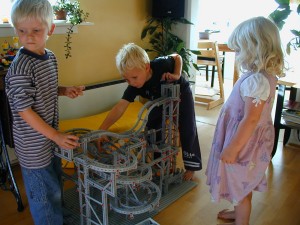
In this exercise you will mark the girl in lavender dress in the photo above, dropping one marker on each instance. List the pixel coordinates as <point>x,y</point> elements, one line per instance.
<point>244,136</point>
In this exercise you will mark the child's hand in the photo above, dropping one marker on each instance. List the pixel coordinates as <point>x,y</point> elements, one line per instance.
<point>100,141</point>
<point>66,141</point>
<point>169,77</point>
<point>73,92</point>
<point>229,156</point>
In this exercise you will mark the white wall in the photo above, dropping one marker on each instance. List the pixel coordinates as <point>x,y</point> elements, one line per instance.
<point>92,102</point>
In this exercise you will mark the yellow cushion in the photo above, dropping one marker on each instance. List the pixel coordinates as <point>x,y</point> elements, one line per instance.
<point>126,122</point>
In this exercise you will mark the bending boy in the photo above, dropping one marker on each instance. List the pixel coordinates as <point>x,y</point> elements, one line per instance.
<point>144,79</point>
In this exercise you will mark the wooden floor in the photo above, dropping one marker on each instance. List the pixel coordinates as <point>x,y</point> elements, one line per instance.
<point>280,205</point>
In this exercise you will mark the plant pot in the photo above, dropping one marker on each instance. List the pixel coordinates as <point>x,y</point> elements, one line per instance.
<point>204,35</point>
<point>60,15</point>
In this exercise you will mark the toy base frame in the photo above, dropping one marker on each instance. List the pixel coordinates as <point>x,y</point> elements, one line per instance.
<point>71,206</point>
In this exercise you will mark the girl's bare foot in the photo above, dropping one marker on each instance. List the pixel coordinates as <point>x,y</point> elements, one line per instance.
<point>226,214</point>
<point>188,175</point>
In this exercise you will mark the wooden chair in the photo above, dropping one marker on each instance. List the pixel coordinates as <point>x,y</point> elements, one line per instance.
<point>207,69</point>
<point>210,57</point>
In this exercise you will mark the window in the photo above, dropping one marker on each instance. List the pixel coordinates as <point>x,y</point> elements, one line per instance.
<point>5,7</point>
<point>226,15</point>
<point>6,30</point>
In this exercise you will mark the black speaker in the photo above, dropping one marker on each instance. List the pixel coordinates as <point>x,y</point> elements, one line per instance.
<point>168,8</point>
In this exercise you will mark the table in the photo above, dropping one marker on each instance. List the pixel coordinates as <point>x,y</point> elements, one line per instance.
<point>223,47</point>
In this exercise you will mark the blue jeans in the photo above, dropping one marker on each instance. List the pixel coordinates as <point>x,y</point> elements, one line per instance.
<point>43,190</point>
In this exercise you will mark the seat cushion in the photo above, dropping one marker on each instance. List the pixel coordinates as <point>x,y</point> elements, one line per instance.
<point>93,122</point>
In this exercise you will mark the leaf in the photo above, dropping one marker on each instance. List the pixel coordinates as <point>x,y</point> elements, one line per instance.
<point>196,52</point>
<point>295,32</point>
<point>180,46</point>
<point>195,65</point>
<point>184,21</point>
<point>280,14</point>
<point>288,48</point>
<point>143,34</point>
<point>281,2</point>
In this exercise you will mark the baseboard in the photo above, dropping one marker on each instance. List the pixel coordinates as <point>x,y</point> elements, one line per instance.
<point>12,156</point>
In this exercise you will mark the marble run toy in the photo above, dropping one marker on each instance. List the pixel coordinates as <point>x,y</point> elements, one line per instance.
<point>133,170</point>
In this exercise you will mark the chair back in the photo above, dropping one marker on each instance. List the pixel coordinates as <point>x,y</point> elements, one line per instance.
<point>209,54</point>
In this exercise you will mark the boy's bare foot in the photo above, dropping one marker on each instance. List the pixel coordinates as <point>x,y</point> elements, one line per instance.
<point>188,175</point>
<point>226,214</point>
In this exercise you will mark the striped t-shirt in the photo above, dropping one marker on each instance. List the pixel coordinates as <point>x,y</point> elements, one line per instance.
<point>32,81</point>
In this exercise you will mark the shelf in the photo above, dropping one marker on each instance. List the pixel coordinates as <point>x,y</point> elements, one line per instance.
<point>7,30</point>
<point>288,124</point>
<point>292,105</point>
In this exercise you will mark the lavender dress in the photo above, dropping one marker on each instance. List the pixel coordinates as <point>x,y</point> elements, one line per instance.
<point>234,182</point>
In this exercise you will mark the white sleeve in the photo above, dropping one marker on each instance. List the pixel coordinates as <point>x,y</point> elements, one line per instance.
<point>255,86</point>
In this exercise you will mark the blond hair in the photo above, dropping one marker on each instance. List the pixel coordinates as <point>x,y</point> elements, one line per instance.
<point>131,56</point>
<point>258,46</point>
<point>32,9</point>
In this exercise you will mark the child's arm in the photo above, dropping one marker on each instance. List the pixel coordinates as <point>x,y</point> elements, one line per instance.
<point>71,92</point>
<point>115,114</point>
<point>112,117</point>
<point>65,141</point>
<point>177,69</point>
<point>244,130</point>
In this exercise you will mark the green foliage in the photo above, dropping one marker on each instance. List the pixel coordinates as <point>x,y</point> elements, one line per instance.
<point>75,16</point>
<point>279,16</point>
<point>164,42</point>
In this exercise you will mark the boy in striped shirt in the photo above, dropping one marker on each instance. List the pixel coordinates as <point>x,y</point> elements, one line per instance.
<point>32,90</point>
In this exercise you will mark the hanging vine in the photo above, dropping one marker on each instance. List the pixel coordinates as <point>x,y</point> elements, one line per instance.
<point>75,15</point>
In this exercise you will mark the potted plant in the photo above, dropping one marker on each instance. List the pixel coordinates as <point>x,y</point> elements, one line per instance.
<point>164,42</point>
<point>280,14</point>
<point>74,15</point>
